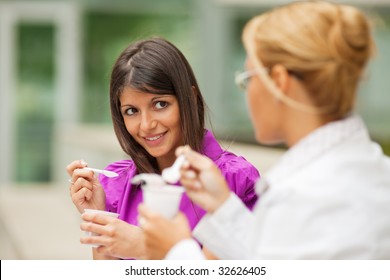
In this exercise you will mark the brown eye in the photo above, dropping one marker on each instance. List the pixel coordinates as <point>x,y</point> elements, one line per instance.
<point>130,111</point>
<point>161,104</point>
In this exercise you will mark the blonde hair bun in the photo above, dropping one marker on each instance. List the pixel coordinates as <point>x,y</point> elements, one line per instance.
<point>326,43</point>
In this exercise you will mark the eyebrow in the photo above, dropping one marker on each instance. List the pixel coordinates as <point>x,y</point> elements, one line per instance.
<point>153,99</point>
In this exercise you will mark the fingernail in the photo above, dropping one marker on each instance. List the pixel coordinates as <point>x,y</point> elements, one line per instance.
<point>83,163</point>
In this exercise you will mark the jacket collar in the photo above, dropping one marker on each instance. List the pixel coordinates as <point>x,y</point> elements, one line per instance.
<point>313,146</point>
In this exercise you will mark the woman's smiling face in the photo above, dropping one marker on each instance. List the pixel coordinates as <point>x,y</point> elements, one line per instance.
<point>153,120</point>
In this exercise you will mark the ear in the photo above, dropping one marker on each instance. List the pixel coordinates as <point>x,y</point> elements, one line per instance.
<point>281,77</point>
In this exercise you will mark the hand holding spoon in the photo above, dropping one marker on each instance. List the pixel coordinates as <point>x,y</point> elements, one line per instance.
<point>107,173</point>
<point>172,174</point>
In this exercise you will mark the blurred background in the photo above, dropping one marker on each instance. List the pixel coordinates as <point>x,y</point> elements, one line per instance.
<point>55,62</point>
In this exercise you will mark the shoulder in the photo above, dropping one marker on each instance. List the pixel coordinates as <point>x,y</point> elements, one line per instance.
<point>240,174</point>
<point>230,163</point>
<point>225,160</point>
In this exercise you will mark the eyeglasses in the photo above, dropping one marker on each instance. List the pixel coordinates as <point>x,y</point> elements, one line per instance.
<point>242,78</point>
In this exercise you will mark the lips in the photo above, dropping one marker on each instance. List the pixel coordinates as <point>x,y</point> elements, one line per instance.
<point>154,139</point>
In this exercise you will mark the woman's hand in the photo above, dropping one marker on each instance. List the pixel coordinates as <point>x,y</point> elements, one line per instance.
<point>85,189</point>
<point>161,234</point>
<point>204,183</point>
<point>115,238</point>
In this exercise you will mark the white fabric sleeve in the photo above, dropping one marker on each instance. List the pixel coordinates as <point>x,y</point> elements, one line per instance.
<point>226,233</point>
<point>187,249</point>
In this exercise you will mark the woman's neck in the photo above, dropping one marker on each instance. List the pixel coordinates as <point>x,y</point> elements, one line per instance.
<point>299,125</point>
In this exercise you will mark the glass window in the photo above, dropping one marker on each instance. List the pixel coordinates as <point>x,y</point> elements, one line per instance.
<point>34,102</point>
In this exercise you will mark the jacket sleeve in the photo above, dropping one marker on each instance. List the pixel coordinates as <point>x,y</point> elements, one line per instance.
<point>226,232</point>
<point>114,187</point>
<point>241,177</point>
<point>187,249</point>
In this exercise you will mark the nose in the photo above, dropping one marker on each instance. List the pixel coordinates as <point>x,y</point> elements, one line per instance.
<point>148,121</point>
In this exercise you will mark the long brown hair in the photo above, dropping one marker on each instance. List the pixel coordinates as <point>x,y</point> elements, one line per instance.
<point>156,66</point>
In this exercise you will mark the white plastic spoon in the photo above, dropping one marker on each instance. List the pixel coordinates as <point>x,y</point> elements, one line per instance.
<point>172,174</point>
<point>107,173</point>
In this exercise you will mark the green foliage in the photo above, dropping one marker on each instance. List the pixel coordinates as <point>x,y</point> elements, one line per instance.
<point>385,146</point>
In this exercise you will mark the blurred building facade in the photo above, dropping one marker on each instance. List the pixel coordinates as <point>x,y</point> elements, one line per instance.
<point>56,58</point>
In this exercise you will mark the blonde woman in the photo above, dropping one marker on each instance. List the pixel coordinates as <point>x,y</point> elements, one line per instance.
<point>329,196</point>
